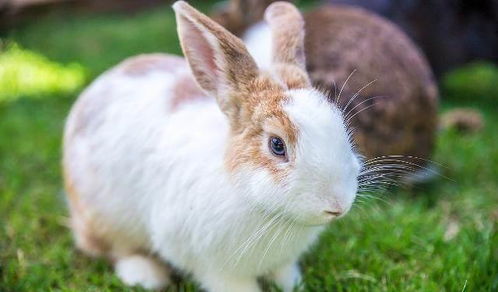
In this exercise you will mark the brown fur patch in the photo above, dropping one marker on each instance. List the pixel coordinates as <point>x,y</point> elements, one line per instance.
<point>85,236</point>
<point>262,108</point>
<point>143,64</point>
<point>88,111</point>
<point>292,76</point>
<point>184,91</point>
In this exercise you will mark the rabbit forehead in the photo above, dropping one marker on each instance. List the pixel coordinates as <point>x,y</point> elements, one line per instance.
<point>262,116</point>
<point>266,106</point>
<point>323,143</point>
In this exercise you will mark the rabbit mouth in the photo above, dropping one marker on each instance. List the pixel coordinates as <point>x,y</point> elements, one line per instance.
<point>333,213</point>
<point>323,218</point>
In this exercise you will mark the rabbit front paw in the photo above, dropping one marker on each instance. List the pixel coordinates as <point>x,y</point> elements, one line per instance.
<point>287,277</point>
<point>142,271</point>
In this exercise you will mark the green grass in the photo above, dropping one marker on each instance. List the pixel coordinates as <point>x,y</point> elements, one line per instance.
<point>439,237</point>
<point>23,72</point>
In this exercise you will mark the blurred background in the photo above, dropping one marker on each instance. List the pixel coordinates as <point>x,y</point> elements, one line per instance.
<point>439,236</point>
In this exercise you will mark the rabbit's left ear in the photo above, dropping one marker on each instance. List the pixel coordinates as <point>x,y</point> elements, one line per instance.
<point>287,28</point>
<point>219,60</point>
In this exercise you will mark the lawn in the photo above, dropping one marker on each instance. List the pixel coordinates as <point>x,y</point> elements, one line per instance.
<point>441,236</point>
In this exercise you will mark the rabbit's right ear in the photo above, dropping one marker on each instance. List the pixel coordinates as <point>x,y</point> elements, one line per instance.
<point>219,60</point>
<point>287,26</point>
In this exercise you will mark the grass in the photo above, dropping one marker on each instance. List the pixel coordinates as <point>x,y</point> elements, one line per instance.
<point>438,237</point>
<point>28,73</point>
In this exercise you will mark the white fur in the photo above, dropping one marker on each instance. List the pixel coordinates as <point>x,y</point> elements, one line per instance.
<point>258,41</point>
<point>155,180</point>
<point>140,270</point>
<point>324,152</point>
<point>287,277</point>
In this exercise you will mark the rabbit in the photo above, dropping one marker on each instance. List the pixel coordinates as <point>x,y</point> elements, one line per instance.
<point>373,70</point>
<point>215,167</point>
<point>450,32</point>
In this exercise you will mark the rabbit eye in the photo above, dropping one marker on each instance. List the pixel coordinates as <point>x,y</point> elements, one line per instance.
<point>277,146</point>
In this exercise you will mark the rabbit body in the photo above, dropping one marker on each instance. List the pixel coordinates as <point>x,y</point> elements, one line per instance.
<point>149,179</point>
<point>156,173</point>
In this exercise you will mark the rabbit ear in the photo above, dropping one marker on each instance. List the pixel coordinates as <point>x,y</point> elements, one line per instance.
<point>287,26</point>
<point>219,60</point>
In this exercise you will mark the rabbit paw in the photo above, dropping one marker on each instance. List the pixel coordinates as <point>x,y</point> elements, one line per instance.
<point>143,271</point>
<point>287,277</point>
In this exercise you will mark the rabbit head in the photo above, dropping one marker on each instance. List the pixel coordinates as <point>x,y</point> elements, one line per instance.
<point>288,150</point>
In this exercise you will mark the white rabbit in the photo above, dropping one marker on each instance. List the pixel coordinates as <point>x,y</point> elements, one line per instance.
<point>227,182</point>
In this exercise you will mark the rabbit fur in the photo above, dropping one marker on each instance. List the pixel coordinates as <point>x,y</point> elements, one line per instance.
<point>167,163</point>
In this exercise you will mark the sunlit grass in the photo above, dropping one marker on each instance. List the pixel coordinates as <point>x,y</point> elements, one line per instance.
<point>26,73</point>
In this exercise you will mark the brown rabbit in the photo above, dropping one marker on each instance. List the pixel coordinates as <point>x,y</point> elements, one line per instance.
<point>450,32</point>
<point>373,69</point>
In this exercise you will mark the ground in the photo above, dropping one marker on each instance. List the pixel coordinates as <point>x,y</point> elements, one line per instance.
<point>439,236</point>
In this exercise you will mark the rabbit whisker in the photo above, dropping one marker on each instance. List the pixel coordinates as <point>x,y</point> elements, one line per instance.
<point>243,248</point>
<point>418,166</point>
<point>363,109</point>
<point>357,94</point>
<point>346,116</point>
<point>399,156</point>
<point>344,85</point>
<point>274,237</point>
